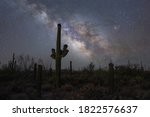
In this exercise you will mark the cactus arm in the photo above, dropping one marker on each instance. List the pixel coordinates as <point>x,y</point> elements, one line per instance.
<point>53,55</point>
<point>65,50</point>
<point>65,53</point>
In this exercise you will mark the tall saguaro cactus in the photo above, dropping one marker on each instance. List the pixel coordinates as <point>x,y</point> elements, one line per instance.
<point>58,54</point>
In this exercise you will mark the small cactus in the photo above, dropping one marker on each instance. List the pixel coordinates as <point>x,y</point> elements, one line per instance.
<point>12,64</point>
<point>35,71</point>
<point>111,77</point>
<point>50,71</point>
<point>58,54</point>
<point>39,80</point>
<point>70,67</point>
<point>38,69</point>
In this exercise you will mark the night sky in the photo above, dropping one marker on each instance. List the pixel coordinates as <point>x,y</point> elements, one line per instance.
<point>96,31</point>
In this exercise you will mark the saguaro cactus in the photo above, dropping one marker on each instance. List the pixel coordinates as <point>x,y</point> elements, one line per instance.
<point>35,71</point>
<point>58,54</point>
<point>50,71</point>
<point>70,67</point>
<point>111,77</point>
<point>12,64</point>
<point>39,80</point>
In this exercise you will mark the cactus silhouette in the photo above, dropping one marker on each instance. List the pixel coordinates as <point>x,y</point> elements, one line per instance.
<point>12,64</point>
<point>58,54</point>
<point>50,71</point>
<point>70,67</point>
<point>111,77</point>
<point>39,80</point>
<point>35,71</point>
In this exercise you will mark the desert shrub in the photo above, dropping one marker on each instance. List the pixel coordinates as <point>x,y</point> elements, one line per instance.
<point>146,95</point>
<point>87,87</point>
<point>4,69</point>
<point>25,63</point>
<point>67,87</point>
<point>89,69</point>
<point>139,79</point>
<point>146,85</point>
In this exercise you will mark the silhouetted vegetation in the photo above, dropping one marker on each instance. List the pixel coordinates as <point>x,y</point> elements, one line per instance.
<point>58,55</point>
<point>34,82</point>
<point>23,78</point>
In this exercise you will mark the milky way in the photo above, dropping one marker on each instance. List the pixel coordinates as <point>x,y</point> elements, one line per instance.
<point>100,31</point>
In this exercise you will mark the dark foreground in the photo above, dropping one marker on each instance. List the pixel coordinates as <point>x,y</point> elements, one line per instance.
<point>81,85</point>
